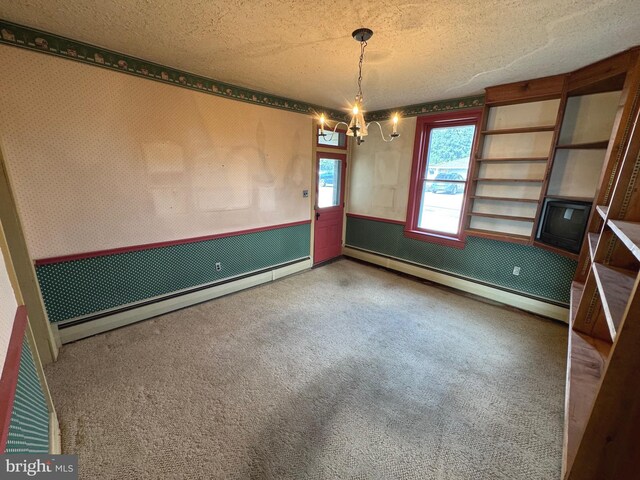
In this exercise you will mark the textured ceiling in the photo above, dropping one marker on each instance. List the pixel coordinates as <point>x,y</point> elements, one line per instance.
<point>420,51</point>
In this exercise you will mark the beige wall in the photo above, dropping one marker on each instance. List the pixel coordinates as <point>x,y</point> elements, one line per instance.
<point>100,159</point>
<point>380,173</point>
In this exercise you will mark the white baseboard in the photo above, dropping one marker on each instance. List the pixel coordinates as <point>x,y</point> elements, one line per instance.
<point>519,301</point>
<point>55,443</point>
<point>119,319</point>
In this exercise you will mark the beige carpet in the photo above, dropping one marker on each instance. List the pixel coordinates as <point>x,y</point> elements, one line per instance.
<point>343,372</point>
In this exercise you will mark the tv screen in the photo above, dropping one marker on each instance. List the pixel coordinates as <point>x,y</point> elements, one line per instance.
<point>563,224</point>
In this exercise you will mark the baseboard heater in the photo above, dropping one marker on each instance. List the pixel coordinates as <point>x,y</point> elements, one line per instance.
<point>81,327</point>
<point>521,300</point>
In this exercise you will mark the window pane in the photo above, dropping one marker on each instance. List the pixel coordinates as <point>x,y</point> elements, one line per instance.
<point>441,206</point>
<point>329,182</point>
<point>331,139</point>
<point>449,152</point>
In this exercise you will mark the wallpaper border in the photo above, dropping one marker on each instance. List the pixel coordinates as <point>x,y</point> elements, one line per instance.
<point>21,36</point>
<point>29,38</point>
<point>426,108</point>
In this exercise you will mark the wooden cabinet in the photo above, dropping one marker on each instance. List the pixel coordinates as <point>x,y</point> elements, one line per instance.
<point>602,417</point>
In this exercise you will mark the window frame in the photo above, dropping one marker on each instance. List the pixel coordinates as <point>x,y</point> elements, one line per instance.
<point>341,131</point>
<point>424,125</point>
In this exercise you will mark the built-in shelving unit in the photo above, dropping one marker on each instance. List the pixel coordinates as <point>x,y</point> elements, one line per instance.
<point>542,140</point>
<point>602,412</point>
<point>519,127</point>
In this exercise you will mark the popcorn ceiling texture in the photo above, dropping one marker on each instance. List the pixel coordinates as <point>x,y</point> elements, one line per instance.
<point>420,51</point>
<point>342,372</point>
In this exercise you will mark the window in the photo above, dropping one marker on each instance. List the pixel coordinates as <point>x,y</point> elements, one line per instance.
<point>439,177</point>
<point>331,139</point>
<point>329,182</point>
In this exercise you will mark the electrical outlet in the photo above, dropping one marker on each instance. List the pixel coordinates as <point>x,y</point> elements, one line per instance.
<point>218,266</point>
<point>305,193</point>
<point>516,270</point>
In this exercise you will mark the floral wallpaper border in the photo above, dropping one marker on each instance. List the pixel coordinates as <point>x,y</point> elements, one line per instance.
<point>39,41</point>
<point>43,42</point>
<point>426,108</point>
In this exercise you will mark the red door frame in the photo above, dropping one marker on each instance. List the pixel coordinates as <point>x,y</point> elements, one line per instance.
<point>331,214</point>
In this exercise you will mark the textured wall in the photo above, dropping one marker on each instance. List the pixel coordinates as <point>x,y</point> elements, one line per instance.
<point>29,426</point>
<point>543,274</point>
<point>380,173</point>
<point>100,160</point>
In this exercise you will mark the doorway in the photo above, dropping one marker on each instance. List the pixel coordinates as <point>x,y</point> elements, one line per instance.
<point>329,208</point>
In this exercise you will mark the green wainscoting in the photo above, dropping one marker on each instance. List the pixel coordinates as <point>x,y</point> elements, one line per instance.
<point>76,288</point>
<point>544,274</point>
<point>29,425</point>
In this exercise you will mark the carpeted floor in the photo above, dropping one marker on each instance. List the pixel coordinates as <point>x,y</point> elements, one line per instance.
<point>343,372</point>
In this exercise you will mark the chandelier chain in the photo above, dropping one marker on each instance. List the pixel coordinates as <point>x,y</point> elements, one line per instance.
<point>363,44</point>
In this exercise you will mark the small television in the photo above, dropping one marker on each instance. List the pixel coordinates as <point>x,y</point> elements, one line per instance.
<point>563,224</point>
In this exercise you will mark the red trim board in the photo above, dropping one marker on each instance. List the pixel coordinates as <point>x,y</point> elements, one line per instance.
<point>377,219</point>
<point>170,243</point>
<point>9,379</point>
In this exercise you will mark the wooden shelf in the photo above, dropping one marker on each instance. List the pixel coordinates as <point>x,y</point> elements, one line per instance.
<point>592,238</point>
<point>554,249</point>
<point>615,286</point>
<point>504,217</point>
<point>570,199</point>
<point>513,159</point>
<point>506,199</point>
<point>601,408</point>
<point>531,180</point>
<point>509,131</point>
<point>502,236</point>
<point>586,365</point>
<point>603,211</point>
<point>586,146</point>
<point>577,289</point>
<point>628,233</point>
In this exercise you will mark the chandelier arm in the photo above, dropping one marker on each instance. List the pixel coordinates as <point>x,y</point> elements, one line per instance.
<point>391,137</point>
<point>336,128</point>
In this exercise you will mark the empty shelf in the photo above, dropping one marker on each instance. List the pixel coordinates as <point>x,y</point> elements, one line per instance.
<point>587,360</point>
<point>628,233</point>
<point>614,285</point>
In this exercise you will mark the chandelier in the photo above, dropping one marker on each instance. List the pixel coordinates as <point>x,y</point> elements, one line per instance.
<point>357,127</point>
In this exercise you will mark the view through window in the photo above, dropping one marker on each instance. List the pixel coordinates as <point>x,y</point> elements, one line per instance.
<point>329,182</point>
<point>445,176</point>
